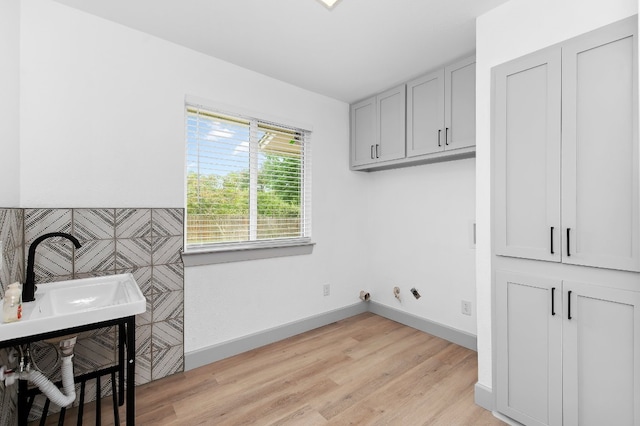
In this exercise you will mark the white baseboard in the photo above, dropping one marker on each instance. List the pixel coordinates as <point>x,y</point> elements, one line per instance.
<point>233,347</point>
<point>220,351</point>
<point>484,397</point>
<point>456,336</point>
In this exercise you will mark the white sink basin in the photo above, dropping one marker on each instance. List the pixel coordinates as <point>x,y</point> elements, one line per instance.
<point>72,303</point>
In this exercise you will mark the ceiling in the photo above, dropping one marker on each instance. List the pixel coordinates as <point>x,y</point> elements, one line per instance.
<point>358,48</point>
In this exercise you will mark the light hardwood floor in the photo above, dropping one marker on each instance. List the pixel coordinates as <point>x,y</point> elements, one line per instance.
<point>365,370</point>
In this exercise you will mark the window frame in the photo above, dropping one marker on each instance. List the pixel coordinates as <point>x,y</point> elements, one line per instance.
<point>258,249</point>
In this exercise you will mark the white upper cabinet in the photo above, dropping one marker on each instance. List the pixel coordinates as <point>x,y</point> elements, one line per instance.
<point>460,104</point>
<point>378,128</point>
<point>429,119</point>
<point>441,110</point>
<point>425,114</point>
<point>390,144</point>
<point>566,152</point>
<point>363,131</point>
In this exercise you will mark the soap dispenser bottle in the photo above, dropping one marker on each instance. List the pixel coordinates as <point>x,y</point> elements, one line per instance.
<point>12,304</point>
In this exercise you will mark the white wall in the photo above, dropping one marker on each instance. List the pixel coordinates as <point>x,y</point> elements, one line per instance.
<point>102,110</point>
<point>228,301</point>
<point>514,29</point>
<point>10,103</point>
<point>102,124</point>
<point>420,222</point>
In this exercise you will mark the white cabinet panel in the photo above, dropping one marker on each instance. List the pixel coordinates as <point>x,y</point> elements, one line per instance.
<point>529,348</point>
<point>425,114</point>
<point>527,157</point>
<point>460,104</point>
<point>600,149</point>
<point>363,131</point>
<point>601,356</point>
<point>391,124</point>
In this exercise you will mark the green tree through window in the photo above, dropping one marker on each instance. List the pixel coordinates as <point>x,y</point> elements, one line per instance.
<point>245,180</point>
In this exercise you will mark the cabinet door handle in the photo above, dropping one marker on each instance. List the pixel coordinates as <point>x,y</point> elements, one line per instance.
<point>569,305</point>
<point>372,152</point>
<point>377,154</point>
<point>553,300</point>
<point>552,252</point>
<point>439,132</point>
<point>568,242</point>
<point>446,136</point>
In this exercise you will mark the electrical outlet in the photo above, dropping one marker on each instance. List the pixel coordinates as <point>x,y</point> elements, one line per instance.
<point>466,307</point>
<point>415,293</point>
<point>326,289</point>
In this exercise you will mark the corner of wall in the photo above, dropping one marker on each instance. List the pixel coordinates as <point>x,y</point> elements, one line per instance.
<point>483,396</point>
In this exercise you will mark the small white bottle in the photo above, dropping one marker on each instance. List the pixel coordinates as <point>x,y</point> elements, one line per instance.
<point>12,304</point>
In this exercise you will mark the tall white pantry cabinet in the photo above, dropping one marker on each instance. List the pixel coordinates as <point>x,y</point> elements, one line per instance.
<point>566,232</point>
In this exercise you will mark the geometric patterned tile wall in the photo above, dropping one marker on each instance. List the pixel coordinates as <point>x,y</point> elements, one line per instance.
<point>12,237</point>
<point>146,242</point>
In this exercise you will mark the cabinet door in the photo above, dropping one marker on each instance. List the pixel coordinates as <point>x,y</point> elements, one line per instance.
<point>425,114</point>
<point>526,134</point>
<point>363,132</point>
<point>601,356</point>
<point>460,104</point>
<point>391,124</point>
<point>529,358</point>
<point>600,148</point>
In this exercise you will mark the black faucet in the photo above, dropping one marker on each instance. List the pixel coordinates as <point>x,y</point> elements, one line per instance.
<point>29,287</point>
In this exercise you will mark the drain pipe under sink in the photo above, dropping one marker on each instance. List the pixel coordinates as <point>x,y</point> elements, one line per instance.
<point>44,384</point>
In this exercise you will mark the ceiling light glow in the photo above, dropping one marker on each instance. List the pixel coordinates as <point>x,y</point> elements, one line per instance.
<point>329,3</point>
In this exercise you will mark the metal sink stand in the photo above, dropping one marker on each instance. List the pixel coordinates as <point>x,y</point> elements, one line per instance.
<point>126,339</point>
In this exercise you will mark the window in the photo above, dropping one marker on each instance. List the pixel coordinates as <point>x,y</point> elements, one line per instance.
<point>248,182</point>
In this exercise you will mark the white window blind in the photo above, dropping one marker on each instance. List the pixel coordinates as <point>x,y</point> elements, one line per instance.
<point>248,181</point>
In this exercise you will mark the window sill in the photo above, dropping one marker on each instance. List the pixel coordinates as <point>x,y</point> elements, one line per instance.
<point>213,256</point>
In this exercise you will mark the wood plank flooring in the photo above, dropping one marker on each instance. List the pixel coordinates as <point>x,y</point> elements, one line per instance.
<point>365,370</point>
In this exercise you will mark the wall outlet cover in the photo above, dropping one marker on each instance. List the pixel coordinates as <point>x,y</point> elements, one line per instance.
<point>326,289</point>
<point>466,307</point>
